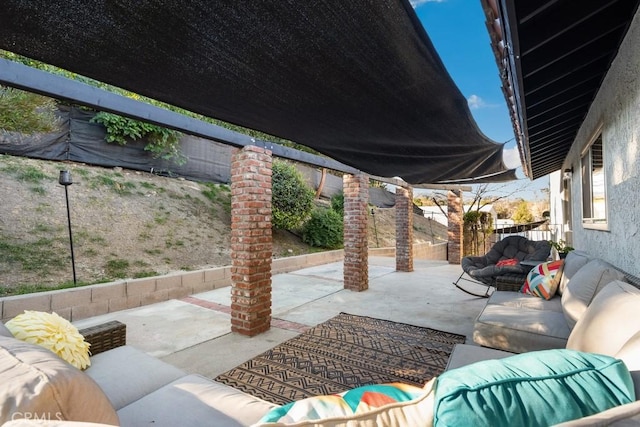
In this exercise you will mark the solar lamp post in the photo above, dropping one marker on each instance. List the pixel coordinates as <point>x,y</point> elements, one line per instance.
<point>65,181</point>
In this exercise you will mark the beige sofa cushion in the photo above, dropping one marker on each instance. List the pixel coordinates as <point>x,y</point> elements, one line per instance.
<point>37,383</point>
<point>584,286</point>
<point>126,374</point>
<point>574,261</point>
<point>194,400</point>
<point>520,329</point>
<point>520,300</point>
<point>609,322</point>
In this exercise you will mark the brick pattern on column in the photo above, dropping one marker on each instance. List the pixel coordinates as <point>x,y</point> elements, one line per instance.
<point>356,250</point>
<point>456,224</point>
<point>251,241</point>
<point>404,229</point>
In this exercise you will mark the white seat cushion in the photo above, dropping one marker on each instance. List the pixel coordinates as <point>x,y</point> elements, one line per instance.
<point>194,400</point>
<point>126,374</point>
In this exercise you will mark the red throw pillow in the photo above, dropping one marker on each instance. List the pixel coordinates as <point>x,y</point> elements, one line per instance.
<point>510,261</point>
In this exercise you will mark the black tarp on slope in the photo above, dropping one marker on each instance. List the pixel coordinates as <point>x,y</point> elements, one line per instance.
<point>357,80</point>
<point>79,140</point>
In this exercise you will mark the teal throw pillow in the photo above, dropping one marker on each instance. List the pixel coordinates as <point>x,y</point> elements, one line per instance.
<point>539,388</point>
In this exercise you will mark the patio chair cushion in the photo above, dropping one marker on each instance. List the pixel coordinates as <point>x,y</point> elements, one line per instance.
<point>584,286</point>
<point>37,383</point>
<point>386,404</point>
<point>537,388</point>
<point>542,281</point>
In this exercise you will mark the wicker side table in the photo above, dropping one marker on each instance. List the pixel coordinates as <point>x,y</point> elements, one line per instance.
<point>105,336</point>
<point>510,282</point>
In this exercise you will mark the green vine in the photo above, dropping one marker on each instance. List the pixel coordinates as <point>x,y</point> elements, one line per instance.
<point>163,143</point>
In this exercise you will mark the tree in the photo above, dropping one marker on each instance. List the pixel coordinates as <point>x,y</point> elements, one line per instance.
<point>292,198</point>
<point>522,214</point>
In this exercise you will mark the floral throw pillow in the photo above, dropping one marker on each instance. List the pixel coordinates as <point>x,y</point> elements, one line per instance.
<point>52,332</point>
<point>543,279</point>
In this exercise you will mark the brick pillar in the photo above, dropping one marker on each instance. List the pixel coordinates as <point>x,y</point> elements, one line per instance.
<point>404,229</point>
<point>251,241</point>
<point>356,250</point>
<point>456,223</point>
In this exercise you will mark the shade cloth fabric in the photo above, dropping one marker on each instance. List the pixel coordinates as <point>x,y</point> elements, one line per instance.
<point>359,81</point>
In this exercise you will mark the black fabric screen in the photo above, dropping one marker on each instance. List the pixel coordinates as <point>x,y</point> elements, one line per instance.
<point>356,80</point>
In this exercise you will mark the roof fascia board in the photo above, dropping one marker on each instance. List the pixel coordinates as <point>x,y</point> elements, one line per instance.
<point>514,71</point>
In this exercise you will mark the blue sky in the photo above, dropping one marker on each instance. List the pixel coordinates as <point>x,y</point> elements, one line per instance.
<point>457,30</point>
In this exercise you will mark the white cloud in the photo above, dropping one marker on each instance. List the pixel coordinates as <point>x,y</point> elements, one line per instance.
<point>511,158</point>
<point>416,3</point>
<point>476,102</point>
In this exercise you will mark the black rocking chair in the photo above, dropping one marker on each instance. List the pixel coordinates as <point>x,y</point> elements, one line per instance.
<point>484,271</point>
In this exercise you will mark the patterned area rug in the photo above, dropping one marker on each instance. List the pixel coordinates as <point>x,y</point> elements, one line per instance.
<point>344,352</point>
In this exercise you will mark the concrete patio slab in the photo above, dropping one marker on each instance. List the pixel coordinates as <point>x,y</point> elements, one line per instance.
<point>193,333</point>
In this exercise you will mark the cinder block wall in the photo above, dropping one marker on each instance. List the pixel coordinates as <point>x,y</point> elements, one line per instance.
<point>88,301</point>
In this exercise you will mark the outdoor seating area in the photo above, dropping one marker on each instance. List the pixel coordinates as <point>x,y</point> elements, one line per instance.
<point>160,364</point>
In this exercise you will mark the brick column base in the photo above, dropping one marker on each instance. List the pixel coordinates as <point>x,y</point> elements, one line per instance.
<point>356,250</point>
<point>251,241</point>
<point>455,228</point>
<point>404,229</point>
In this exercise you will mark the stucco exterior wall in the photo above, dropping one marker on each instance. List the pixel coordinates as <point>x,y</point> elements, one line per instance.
<point>617,108</point>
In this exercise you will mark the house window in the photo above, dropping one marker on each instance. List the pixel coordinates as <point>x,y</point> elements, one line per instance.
<point>594,197</point>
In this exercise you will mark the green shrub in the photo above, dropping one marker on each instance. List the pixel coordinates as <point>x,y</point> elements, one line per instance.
<point>324,229</point>
<point>292,198</point>
<point>337,203</point>
<point>163,143</point>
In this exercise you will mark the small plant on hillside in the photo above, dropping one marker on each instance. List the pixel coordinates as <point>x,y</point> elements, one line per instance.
<point>31,174</point>
<point>26,112</point>
<point>324,229</point>
<point>292,198</point>
<point>116,268</point>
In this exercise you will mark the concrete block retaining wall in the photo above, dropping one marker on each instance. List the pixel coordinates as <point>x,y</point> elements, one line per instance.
<point>88,301</point>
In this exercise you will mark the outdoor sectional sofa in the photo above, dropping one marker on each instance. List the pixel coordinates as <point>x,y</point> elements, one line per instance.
<point>128,387</point>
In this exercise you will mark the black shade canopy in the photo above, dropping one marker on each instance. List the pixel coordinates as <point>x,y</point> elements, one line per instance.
<point>357,80</point>
<point>553,56</point>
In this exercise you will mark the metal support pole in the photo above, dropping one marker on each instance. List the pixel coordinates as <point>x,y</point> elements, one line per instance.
<point>375,228</point>
<point>73,260</point>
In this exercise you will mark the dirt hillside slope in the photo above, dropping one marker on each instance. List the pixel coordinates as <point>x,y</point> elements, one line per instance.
<point>127,224</point>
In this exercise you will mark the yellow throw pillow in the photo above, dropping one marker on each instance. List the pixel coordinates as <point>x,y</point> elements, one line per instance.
<point>52,332</point>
